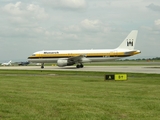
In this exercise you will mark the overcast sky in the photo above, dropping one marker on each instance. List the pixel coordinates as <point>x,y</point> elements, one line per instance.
<point>28,26</point>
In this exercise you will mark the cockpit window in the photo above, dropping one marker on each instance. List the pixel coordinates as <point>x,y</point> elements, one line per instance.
<point>33,55</point>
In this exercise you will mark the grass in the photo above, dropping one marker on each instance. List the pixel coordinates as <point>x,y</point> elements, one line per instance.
<point>58,95</point>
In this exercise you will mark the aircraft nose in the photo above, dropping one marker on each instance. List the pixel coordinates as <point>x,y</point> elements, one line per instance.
<point>138,51</point>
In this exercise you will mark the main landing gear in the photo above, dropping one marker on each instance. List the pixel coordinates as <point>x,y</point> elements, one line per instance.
<point>79,66</point>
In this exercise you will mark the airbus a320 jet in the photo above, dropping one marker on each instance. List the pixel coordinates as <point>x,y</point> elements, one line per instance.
<point>70,57</point>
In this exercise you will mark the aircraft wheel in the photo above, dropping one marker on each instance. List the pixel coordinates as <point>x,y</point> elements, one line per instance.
<point>79,66</point>
<point>42,65</point>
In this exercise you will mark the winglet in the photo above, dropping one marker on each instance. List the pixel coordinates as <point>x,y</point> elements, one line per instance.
<point>129,41</point>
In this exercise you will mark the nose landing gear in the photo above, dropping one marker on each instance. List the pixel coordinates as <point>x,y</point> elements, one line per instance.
<point>42,65</point>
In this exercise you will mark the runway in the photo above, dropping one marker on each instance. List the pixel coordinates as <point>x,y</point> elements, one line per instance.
<point>127,69</point>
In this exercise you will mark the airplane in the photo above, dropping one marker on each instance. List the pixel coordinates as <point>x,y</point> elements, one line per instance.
<point>7,64</point>
<point>23,63</point>
<point>78,57</point>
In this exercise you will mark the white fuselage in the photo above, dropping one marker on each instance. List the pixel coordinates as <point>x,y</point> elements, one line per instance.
<point>99,55</point>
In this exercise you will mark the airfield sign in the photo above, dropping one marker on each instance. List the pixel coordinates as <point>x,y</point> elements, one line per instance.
<point>116,77</point>
<point>120,77</point>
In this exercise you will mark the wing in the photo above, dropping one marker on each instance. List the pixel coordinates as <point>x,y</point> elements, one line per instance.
<point>79,59</point>
<point>76,59</point>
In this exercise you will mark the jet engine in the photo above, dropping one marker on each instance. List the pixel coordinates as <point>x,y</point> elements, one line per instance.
<point>64,62</point>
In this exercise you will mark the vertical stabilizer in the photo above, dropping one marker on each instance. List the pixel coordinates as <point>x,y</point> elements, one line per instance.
<point>129,41</point>
<point>9,63</point>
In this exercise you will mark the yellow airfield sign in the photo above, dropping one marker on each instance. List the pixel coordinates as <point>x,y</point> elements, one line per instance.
<point>120,77</point>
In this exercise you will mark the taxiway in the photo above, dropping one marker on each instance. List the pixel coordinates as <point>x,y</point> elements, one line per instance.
<point>127,69</point>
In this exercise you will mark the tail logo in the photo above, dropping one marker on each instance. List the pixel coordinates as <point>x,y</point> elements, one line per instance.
<point>129,42</point>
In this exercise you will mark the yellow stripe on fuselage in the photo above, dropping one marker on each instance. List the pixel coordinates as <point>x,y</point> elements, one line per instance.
<point>109,54</point>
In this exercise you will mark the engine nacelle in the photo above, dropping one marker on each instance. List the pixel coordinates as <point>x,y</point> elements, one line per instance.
<point>64,62</point>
